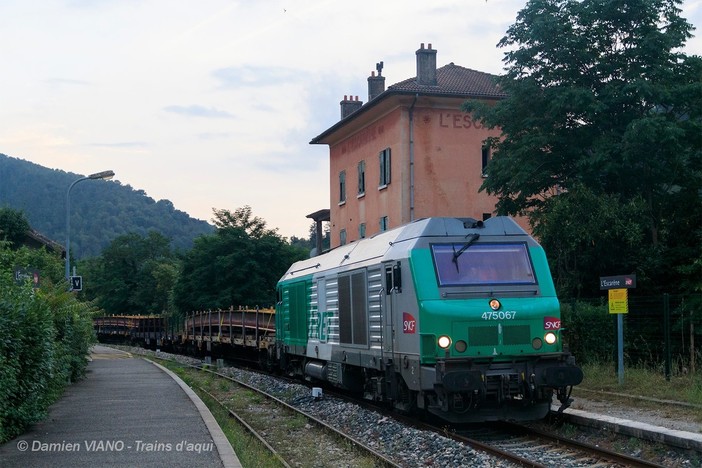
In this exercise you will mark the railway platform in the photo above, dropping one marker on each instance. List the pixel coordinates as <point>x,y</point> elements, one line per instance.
<point>636,423</point>
<point>126,412</point>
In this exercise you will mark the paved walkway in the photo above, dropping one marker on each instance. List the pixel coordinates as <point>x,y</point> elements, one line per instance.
<point>126,412</point>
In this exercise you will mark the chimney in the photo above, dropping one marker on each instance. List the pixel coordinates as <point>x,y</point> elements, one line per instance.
<point>376,84</point>
<point>426,66</point>
<point>349,105</point>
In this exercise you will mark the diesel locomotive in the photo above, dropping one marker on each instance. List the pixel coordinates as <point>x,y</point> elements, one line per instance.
<point>452,316</point>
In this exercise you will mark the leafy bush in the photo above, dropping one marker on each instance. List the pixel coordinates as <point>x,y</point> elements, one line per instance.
<point>26,356</point>
<point>45,335</point>
<point>589,331</point>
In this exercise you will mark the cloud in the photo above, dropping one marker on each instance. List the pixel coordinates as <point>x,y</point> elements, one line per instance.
<point>296,161</point>
<point>214,135</point>
<point>199,111</point>
<point>66,81</point>
<point>247,75</point>
<point>125,144</point>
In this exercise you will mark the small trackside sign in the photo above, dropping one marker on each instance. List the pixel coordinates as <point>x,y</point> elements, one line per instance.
<point>409,323</point>
<point>618,282</point>
<point>552,323</point>
<point>76,283</point>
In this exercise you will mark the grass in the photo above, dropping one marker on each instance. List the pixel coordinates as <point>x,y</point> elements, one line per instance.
<point>224,385</point>
<point>250,451</point>
<point>648,384</point>
<point>296,423</point>
<point>643,382</point>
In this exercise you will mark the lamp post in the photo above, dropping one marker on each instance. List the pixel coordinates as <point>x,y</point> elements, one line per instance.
<point>97,175</point>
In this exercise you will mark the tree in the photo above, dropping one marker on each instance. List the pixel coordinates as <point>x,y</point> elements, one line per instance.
<point>239,265</point>
<point>13,226</point>
<point>242,218</point>
<point>601,97</point>
<point>310,242</point>
<point>302,242</point>
<point>134,275</point>
<point>587,234</point>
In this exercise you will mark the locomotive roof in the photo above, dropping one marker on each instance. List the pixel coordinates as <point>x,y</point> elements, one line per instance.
<point>372,249</point>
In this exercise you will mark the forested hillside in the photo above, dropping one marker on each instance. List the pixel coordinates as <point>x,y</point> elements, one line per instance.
<point>100,210</point>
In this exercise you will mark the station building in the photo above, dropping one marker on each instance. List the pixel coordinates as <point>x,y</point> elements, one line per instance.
<point>409,152</point>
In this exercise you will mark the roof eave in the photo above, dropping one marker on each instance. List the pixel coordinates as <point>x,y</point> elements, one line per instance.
<point>319,139</point>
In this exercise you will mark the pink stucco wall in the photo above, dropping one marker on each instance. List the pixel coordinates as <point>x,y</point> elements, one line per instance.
<point>447,168</point>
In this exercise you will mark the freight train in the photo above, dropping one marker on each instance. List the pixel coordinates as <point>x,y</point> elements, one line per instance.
<point>451,316</point>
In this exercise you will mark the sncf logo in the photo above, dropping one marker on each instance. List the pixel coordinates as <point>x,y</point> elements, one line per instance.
<point>409,323</point>
<point>552,323</point>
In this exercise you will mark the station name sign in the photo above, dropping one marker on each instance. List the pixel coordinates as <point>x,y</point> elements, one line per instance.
<point>618,282</point>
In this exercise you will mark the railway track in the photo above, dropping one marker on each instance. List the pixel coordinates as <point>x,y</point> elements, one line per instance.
<point>292,436</point>
<point>527,447</point>
<point>514,443</point>
<point>543,449</point>
<point>429,445</point>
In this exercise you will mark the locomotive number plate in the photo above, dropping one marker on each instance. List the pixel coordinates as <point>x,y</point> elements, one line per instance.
<point>500,315</point>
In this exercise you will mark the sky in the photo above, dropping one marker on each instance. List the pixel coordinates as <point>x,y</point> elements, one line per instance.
<point>211,104</point>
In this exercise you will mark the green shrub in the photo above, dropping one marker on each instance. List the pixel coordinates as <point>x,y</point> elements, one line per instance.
<point>45,335</point>
<point>589,331</point>
<point>26,326</point>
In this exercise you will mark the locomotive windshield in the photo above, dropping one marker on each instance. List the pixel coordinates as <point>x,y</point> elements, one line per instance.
<point>481,264</point>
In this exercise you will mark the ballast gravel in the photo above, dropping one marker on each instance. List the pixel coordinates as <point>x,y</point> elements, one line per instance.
<point>406,446</point>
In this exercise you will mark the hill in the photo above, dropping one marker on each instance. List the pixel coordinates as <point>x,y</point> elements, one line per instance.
<point>100,210</point>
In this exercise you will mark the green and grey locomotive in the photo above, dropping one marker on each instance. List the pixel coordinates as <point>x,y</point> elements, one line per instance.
<point>452,316</point>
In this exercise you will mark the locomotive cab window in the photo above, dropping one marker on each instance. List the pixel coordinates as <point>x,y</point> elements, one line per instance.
<point>481,264</point>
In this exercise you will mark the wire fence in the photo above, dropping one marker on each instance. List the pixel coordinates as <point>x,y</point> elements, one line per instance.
<point>660,332</point>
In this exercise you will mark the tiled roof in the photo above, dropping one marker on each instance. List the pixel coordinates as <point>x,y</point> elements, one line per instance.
<point>36,239</point>
<point>454,79</point>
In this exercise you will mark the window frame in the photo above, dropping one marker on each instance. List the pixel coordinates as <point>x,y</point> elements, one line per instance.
<point>361,178</point>
<point>342,237</point>
<point>489,259</point>
<point>342,187</point>
<point>384,165</point>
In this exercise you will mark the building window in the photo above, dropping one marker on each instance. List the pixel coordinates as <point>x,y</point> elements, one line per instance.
<point>362,231</point>
<point>342,187</point>
<point>384,223</point>
<point>342,237</point>
<point>384,157</point>
<point>361,177</point>
<point>485,159</point>
<point>487,216</point>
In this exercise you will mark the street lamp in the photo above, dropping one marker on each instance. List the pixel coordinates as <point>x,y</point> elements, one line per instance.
<point>97,175</point>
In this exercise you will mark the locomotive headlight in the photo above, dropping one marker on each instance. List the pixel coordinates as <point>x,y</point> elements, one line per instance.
<point>444,342</point>
<point>550,337</point>
<point>495,304</point>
